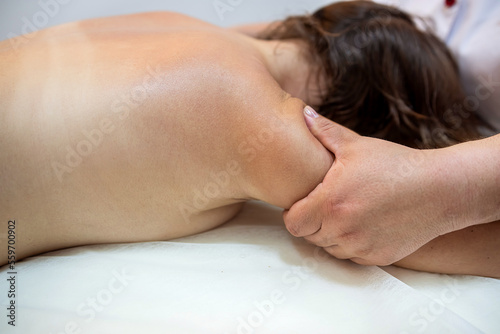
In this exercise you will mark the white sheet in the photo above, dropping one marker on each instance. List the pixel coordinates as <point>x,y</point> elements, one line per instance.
<point>248,276</point>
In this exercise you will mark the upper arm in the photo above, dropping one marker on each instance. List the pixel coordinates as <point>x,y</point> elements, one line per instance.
<point>282,160</point>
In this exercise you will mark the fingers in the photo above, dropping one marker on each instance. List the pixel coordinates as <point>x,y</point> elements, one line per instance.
<point>299,221</point>
<point>304,217</point>
<point>332,135</point>
<point>338,252</point>
<point>341,254</point>
<point>321,238</point>
<point>362,261</point>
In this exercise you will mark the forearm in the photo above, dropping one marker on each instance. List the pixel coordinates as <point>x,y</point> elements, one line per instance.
<point>471,174</point>
<point>468,177</point>
<point>473,251</point>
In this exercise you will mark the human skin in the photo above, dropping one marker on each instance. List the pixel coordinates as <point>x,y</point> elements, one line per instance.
<point>371,207</point>
<point>159,108</point>
<point>380,203</point>
<point>183,107</point>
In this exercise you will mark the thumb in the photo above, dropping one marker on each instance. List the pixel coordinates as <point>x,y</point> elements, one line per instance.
<point>303,218</point>
<point>332,135</point>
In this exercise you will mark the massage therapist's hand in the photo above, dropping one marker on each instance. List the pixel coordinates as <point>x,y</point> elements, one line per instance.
<point>380,201</point>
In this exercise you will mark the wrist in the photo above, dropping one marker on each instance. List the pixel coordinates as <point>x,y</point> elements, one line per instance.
<point>469,175</point>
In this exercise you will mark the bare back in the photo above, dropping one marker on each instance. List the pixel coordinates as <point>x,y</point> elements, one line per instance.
<point>132,128</point>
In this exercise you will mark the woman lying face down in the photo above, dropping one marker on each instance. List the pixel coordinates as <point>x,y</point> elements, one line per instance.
<point>156,126</point>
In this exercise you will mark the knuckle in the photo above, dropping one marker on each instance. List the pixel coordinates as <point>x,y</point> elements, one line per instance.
<point>384,262</point>
<point>329,251</point>
<point>302,228</point>
<point>369,255</point>
<point>386,259</point>
<point>364,253</point>
<point>333,206</point>
<point>293,228</point>
<point>361,261</point>
<point>292,223</point>
<point>380,258</point>
<point>325,126</point>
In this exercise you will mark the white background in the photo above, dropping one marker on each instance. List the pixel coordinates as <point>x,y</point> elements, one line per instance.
<point>45,13</point>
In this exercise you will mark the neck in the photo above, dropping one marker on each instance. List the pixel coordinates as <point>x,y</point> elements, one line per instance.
<point>290,67</point>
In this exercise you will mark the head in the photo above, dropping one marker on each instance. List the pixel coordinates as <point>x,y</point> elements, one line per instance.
<point>382,76</point>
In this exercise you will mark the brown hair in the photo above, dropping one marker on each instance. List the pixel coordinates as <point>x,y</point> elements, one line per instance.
<point>385,78</point>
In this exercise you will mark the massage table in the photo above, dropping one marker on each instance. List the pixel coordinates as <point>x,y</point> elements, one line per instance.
<point>246,276</point>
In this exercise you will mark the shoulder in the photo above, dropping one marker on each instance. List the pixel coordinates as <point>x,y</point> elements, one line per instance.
<point>265,132</point>
<point>281,160</point>
<point>236,112</point>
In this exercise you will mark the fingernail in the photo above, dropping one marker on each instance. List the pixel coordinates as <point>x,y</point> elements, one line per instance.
<point>310,112</point>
